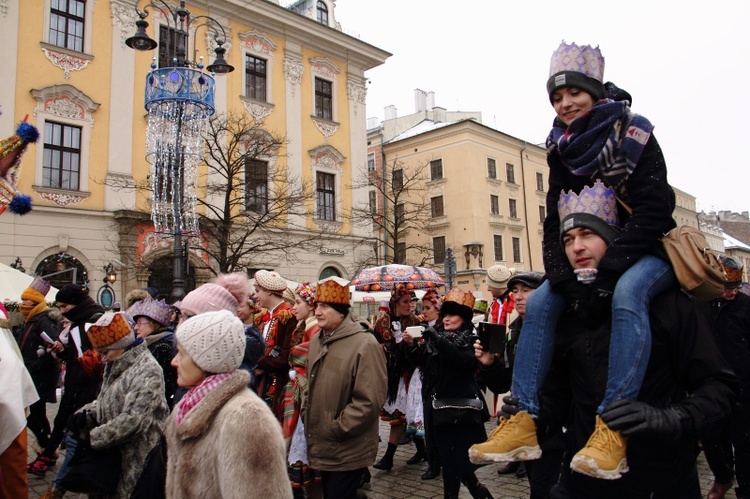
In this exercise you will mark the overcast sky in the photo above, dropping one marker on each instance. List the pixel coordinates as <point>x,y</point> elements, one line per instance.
<point>685,63</point>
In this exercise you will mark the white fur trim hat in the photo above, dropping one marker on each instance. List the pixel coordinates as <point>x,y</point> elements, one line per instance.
<point>270,281</point>
<point>214,340</point>
<point>498,276</point>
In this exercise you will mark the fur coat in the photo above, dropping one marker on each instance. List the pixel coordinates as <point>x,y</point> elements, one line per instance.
<point>130,412</point>
<point>229,445</point>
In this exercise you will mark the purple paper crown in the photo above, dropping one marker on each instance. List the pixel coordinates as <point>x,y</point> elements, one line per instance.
<point>598,200</point>
<point>156,310</point>
<point>40,285</point>
<point>585,59</point>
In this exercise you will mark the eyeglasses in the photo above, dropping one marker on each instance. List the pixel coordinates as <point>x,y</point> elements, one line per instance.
<point>142,322</point>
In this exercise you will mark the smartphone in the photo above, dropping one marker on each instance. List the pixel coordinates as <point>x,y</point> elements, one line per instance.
<point>415,331</point>
<point>492,337</point>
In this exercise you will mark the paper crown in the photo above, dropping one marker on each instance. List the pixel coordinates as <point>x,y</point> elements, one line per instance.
<point>10,150</point>
<point>480,306</point>
<point>585,59</point>
<point>156,310</point>
<point>332,290</point>
<point>458,295</point>
<point>598,200</point>
<point>109,331</point>
<point>36,291</point>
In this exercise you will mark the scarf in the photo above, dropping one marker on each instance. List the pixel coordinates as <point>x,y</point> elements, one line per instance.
<point>608,141</point>
<point>198,393</point>
<point>293,390</point>
<point>29,311</point>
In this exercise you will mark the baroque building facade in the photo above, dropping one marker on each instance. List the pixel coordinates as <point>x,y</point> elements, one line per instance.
<point>68,68</point>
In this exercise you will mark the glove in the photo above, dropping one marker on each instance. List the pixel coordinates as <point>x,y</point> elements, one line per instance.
<point>429,334</point>
<point>509,407</point>
<point>77,422</point>
<point>638,418</point>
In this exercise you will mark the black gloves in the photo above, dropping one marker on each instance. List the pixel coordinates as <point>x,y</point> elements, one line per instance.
<point>429,334</point>
<point>81,423</point>
<point>638,418</point>
<point>509,407</point>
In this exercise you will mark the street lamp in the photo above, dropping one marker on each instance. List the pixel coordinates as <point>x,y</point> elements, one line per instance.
<point>111,276</point>
<point>179,100</point>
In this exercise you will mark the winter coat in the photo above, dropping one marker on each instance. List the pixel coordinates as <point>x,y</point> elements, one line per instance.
<point>346,389</point>
<point>685,369</point>
<point>161,344</point>
<point>730,322</point>
<point>130,412</point>
<point>42,368</point>
<point>397,363</point>
<point>649,196</point>
<point>84,385</point>
<point>229,445</point>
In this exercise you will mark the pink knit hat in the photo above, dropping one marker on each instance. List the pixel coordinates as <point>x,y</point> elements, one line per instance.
<point>207,298</point>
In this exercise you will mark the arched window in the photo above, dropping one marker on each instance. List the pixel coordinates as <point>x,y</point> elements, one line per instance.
<point>329,272</point>
<point>61,269</point>
<point>322,9</point>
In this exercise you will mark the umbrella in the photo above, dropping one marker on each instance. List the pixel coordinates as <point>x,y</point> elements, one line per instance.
<point>13,282</point>
<point>386,277</point>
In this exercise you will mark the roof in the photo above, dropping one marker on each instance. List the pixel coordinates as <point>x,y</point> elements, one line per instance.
<point>423,127</point>
<point>732,243</point>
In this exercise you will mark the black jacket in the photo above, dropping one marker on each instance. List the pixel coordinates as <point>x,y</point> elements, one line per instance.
<point>685,368</point>
<point>88,311</point>
<point>730,322</point>
<point>42,368</point>
<point>648,194</point>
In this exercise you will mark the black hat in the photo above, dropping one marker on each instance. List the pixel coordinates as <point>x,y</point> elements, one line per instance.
<point>72,294</point>
<point>530,279</point>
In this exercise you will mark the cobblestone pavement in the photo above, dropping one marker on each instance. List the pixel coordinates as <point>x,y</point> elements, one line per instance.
<point>401,482</point>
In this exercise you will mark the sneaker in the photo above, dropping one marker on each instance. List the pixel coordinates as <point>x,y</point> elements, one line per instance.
<point>719,490</point>
<point>53,493</point>
<point>604,454</point>
<point>40,465</point>
<point>514,440</point>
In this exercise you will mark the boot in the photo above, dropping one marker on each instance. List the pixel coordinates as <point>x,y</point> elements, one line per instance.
<point>386,462</point>
<point>514,440</point>
<point>509,468</point>
<point>477,489</point>
<point>432,471</point>
<point>521,471</point>
<point>604,454</point>
<point>421,454</point>
<point>451,487</point>
<point>298,493</point>
<point>365,479</point>
<point>719,490</point>
<point>53,493</point>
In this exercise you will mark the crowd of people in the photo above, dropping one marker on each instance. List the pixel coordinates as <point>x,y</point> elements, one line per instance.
<point>612,377</point>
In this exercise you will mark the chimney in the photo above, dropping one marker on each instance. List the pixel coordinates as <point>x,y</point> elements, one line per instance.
<point>438,114</point>
<point>746,214</point>
<point>430,100</point>
<point>390,112</point>
<point>420,100</point>
<point>373,122</point>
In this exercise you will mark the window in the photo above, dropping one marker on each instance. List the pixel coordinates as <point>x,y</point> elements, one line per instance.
<point>371,162</point>
<point>438,249</point>
<point>255,78</point>
<point>256,185</point>
<point>436,169</point>
<point>400,255</point>
<point>512,208</point>
<point>491,168</point>
<point>510,173</point>
<point>436,206</point>
<point>326,196</point>
<point>497,244</point>
<point>398,180</point>
<point>516,250</point>
<point>494,205</point>
<point>542,213</point>
<point>61,164</point>
<point>171,45</point>
<point>66,24</point>
<point>373,202</point>
<point>323,99</point>
<point>539,182</point>
<point>398,215</point>
<point>322,9</point>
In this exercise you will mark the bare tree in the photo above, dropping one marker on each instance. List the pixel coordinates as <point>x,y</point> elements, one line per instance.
<point>401,206</point>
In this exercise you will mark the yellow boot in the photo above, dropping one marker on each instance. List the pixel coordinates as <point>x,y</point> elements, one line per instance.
<point>604,454</point>
<point>514,440</point>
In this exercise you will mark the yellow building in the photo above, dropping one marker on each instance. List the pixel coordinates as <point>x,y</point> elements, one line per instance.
<point>66,65</point>
<point>486,193</point>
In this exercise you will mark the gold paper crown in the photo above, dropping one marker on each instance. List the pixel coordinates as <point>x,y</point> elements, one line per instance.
<point>585,59</point>
<point>333,290</point>
<point>458,295</point>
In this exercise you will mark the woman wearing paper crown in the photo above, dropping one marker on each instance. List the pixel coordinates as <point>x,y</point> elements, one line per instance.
<point>446,357</point>
<point>11,150</point>
<point>594,138</point>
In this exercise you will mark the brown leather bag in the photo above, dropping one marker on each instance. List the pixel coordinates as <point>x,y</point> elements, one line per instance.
<point>698,270</point>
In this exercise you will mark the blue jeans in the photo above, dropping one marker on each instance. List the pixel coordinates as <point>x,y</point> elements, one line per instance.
<point>630,341</point>
<point>70,449</point>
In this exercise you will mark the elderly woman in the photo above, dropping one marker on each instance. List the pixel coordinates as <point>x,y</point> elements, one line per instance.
<point>446,356</point>
<point>222,439</point>
<point>151,322</point>
<point>130,410</point>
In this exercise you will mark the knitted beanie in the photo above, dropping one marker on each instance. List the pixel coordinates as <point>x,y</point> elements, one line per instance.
<point>498,275</point>
<point>36,291</point>
<point>111,331</point>
<point>208,298</point>
<point>214,340</point>
<point>72,294</point>
<point>270,281</point>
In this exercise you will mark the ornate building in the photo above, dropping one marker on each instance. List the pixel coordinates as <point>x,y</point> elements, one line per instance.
<point>66,65</point>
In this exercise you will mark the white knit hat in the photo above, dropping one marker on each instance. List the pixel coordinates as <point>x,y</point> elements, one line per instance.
<point>214,340</point>
<point>498,276</point>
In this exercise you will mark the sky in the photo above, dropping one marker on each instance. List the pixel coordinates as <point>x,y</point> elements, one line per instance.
<point>686,65</point>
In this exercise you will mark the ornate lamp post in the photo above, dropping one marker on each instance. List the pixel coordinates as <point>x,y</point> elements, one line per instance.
<point>179,100</point>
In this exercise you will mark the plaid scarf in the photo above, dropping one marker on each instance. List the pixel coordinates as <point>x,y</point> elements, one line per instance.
<point>198,393</point>
<point>608,141</point>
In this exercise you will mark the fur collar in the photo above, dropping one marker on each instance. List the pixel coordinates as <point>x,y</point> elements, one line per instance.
<point>199,419</point>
